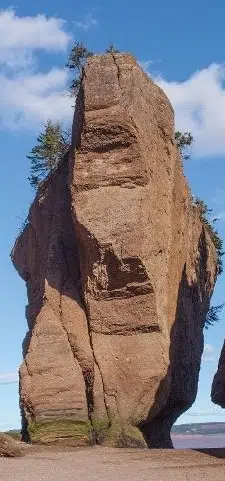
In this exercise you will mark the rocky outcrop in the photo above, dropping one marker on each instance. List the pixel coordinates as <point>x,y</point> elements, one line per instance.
<point>119,271</point>
<point>9,447</point>
<point>218,387</point>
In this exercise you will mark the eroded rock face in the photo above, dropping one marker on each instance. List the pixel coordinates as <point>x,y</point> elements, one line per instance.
<point>119,272</point>
<point>218,387</point>
<point>9,447</point>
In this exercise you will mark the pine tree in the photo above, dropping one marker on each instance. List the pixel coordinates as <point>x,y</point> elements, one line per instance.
<point>212,231</point>
<point>77,60</point>
<point>52,144</point>
<point>213,315</point>
<point>112,49</point>
<point>184,142</point>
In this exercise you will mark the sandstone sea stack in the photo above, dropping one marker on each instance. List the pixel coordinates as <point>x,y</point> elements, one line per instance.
<point>119,271</point>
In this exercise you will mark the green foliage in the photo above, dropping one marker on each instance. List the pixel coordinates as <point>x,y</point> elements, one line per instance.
<point>116,435</point>
<point>14,433</point>
<point>184,142</point>
<point>214,311</point>
<point>24,223</point>
<point>100,429</point>
<point>52,144</point>
<point>77,60</point>
<point>76,432</point>
<point>213,315</point>
<point>217,241</point>
<point>112,49</point>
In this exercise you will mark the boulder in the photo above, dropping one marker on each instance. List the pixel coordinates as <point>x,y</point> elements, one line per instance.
<point>9,447</point>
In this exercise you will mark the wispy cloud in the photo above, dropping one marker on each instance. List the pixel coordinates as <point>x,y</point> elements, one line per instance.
<point>8,378</point>
<point>208,349</point>
<point>88,22</point>
<point>145,65</point>
<point>29,98</point>
<point>27,95</point>
<point>21,36</point>
<point>208,354</point>
<point>199,104</point>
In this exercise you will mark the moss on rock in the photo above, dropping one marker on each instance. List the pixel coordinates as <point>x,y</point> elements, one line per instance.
<point>76,433</point>
<point>100,429</point>
<point>117,435</point>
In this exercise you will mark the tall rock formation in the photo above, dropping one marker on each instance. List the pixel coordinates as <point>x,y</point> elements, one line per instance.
<point>119,271</point>
<point>218,387</point>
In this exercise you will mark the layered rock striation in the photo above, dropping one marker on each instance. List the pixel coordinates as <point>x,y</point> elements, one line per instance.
<point>119,271</point>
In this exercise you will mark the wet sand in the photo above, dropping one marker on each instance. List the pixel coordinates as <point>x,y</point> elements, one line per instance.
<point>196,441</point>
<point>107,464</point>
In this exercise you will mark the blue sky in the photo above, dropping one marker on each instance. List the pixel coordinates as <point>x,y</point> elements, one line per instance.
<point>182,47</point>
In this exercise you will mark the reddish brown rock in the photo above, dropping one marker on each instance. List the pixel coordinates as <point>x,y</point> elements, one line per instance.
<point>119,270</point>
<point>9,448</point>
<point>218,387</point>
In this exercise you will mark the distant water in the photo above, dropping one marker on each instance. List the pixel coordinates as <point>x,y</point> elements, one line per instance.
<point>181,441</point>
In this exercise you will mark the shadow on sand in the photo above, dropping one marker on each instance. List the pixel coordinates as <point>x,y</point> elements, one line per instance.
<point>214,452</point>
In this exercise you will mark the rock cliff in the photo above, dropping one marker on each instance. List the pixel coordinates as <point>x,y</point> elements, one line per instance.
<point>119,271</point>
<point>218,387</point>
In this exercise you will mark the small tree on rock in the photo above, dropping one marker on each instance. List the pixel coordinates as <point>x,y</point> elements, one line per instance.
<point>112,49</point>
<point>213,315</point>
<point>52,144</point>
<point>184,142</point>
<point>77,60</point>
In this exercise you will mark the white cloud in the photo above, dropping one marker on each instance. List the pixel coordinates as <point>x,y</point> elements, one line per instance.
<point>27,95</point>
<point>145,65</point>
<point>28,99</point>
<point>208,349</point>
<point>21,36</point>
<point>88,22</point>
<point>208,354</point>
<point>8,378</point>
<point>199,104</point>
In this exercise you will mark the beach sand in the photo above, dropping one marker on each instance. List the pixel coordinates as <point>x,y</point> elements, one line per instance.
<point>108,464</point>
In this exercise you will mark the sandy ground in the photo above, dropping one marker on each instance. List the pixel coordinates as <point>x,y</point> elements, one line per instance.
<point>106,464</point>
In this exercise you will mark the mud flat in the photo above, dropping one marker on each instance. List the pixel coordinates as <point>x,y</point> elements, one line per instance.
<point>108,464</point>
<point>198,441</point>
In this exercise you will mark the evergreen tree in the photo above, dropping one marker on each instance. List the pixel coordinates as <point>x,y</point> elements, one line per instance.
<point>112,49</point>
<point>77,60</point>
<point>213,315</point>
<point>52,144</point>
<point>184,142</point>
<point>212,231</point>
